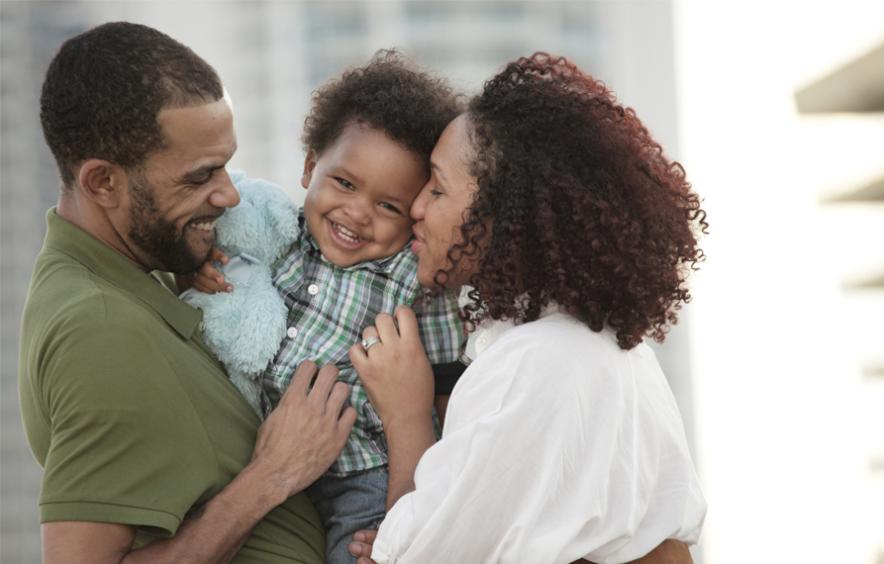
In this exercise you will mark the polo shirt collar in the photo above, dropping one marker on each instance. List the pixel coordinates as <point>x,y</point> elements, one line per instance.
<point>106,263</point>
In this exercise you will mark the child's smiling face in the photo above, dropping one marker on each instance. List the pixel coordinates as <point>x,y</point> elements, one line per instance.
<point>359,192</point>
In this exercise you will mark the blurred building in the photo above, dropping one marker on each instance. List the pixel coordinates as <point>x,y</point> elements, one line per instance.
<point>271,55</point>
<point>855,89</point>
<point>788,418</point>
<point>28,187</point>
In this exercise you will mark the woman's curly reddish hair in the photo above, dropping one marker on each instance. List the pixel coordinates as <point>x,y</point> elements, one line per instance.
<point>584,209</point>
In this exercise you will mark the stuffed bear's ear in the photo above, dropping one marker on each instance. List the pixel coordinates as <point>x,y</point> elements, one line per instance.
<point>309,165</point>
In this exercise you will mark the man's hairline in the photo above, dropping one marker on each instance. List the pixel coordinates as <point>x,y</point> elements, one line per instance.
<point>138,167</point>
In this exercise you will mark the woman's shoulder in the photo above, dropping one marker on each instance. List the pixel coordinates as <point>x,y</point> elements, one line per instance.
<point>562,337</point>
<point>559,347</point>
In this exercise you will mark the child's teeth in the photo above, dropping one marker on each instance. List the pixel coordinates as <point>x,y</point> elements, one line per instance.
<point>347,233</point>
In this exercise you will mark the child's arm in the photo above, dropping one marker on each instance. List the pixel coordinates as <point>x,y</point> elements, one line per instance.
<point>446,376</point>
<point>208,279</point>
<point>443,336</point>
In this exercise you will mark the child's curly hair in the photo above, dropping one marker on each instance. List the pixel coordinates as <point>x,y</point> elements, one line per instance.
<point>389,94</point>
<point>583,207</point>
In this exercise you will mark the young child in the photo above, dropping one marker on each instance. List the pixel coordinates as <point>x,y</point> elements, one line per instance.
<point>368,138</point>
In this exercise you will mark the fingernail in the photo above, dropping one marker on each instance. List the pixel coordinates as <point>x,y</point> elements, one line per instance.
<point>229,288</point>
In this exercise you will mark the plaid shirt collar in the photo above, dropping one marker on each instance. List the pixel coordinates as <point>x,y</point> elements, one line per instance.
<point>310,247</point>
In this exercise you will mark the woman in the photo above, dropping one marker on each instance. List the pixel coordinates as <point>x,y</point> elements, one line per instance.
<point>562,439</point>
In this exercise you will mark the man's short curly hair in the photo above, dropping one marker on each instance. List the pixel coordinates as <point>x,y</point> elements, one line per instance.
<point>585,210</point>
<point>105,87</point>
<point>389,94</point>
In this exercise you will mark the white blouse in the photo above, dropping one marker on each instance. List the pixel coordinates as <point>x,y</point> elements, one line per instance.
<point>558,445</point>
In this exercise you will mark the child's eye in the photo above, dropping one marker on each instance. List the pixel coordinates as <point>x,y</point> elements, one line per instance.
<point>390,207</point>
<point>344,183</point>
<point>435,193</point>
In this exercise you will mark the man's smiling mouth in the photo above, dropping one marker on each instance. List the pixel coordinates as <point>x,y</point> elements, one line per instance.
<point>204,225</point>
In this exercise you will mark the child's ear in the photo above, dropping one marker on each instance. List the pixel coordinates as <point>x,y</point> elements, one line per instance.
<point>309,165</point>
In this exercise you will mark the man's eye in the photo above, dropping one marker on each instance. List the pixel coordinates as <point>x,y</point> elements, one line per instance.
<point>200,180</point>
<point>345,183</point>
<point>390,207</point>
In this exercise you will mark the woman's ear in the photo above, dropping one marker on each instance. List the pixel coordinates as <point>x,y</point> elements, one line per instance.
<point>102,182</point>
<point>309,165</point>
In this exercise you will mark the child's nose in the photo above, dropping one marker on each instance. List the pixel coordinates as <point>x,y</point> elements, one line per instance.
<point>359,212</point>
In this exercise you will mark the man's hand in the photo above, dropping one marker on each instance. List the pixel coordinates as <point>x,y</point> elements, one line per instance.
<point>307,430</point>
<point>667,552</point>
<point>296,444</point>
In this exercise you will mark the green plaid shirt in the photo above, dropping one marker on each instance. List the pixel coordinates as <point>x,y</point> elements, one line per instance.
<point>329,306</point>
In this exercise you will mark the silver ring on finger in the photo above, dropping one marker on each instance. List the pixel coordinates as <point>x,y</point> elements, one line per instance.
<point>369,342</point>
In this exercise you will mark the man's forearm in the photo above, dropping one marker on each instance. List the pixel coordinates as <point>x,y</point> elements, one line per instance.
<point>406,441</point>
<point>217,533</point>
<point>298,441</point>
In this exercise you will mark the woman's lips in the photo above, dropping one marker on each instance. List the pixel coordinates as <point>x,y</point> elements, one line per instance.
<point>418,242</point>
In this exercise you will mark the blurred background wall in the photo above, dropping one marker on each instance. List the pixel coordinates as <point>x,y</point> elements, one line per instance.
<point>770,364</point>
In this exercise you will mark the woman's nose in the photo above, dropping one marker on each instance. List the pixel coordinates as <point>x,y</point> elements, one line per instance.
<point>420,205</point>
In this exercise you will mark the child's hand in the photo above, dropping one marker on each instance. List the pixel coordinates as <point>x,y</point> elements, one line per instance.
<point>209,279</point>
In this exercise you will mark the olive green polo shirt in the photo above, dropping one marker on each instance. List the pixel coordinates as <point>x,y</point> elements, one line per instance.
<point>132,419</point>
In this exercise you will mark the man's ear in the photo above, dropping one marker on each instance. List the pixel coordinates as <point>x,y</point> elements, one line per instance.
<point>103,182</point>
<point>309,165</point>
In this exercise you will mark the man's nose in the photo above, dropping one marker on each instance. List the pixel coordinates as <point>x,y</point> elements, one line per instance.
<point>225,195</point>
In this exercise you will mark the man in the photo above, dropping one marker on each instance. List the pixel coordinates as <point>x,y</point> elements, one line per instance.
<point>149,453</point>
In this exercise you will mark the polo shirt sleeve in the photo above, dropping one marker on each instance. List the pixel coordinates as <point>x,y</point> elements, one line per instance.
<point>125,444</point>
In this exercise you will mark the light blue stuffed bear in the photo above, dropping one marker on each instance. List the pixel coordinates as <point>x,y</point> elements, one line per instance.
<point>245,327</point>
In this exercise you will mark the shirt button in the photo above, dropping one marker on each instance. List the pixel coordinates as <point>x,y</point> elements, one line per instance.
<point>292,332</point>
<point>312,289</point>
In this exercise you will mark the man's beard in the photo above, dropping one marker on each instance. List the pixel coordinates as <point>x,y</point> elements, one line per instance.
<point>157,237</point>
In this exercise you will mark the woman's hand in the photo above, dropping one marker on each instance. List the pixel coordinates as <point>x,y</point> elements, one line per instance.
<point>395,370</point>
<point>361,546</point>
<point>208,279</point>
<point>399,381</point>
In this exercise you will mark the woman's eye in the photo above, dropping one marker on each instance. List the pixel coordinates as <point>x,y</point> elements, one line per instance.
<point>344,183</point>
<point>390,207</point>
